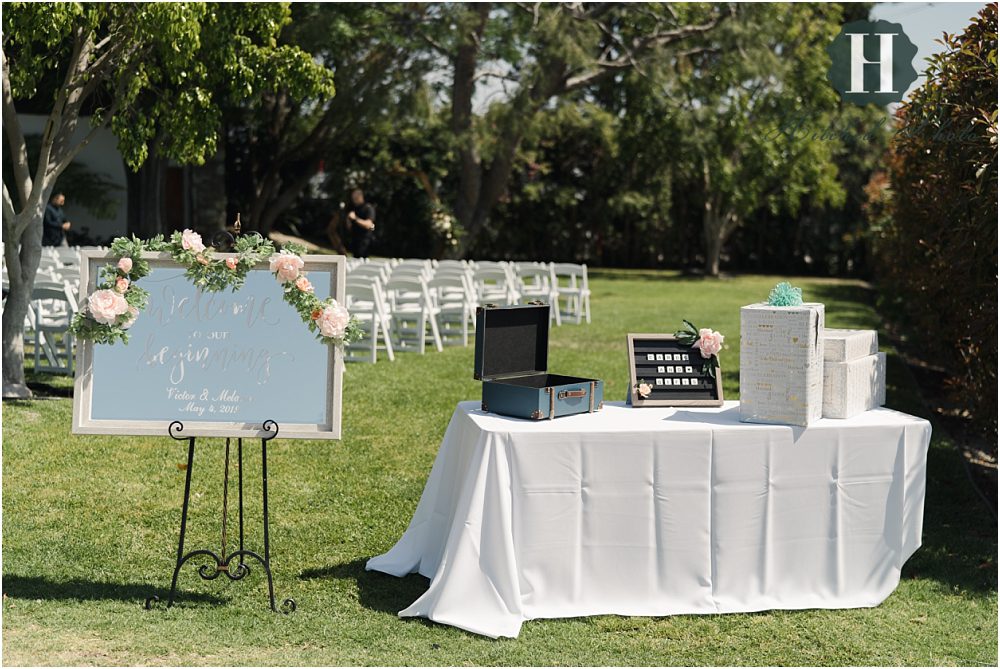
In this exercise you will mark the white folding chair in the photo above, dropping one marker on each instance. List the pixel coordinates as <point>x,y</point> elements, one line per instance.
<point>576,289</point>
<point>495,284</point>
<point>364,301</point>
<point>534,281</point>
<point>451,294</point>
<point>412,312</point>
<point>53,307</point>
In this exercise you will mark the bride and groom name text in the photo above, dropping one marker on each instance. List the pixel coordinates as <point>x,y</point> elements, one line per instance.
<point>225,401</point>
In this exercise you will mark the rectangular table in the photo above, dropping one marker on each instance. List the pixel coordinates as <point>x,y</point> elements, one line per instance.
<point>655,512</point>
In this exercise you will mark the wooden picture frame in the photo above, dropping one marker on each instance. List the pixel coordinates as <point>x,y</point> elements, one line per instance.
<point>706,393</point>
<point>320,369</point>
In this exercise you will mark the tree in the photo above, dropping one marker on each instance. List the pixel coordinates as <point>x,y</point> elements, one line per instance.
<point>149,72</point>
<point>539,52</point>
<point>938,250</point>
<point>274,148</point>
<point>756,119</point>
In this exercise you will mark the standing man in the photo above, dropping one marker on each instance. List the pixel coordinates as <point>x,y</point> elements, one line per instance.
<point>54,224</point>
<point>361,221</point>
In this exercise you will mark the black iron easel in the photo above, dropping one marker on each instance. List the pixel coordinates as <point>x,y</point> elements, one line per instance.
<point>224,559</point>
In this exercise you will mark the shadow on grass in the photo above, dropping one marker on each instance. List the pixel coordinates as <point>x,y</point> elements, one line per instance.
<point>376,591</point>
<point>33,587</point>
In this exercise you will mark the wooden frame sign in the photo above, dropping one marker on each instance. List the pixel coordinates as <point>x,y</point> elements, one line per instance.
<point>673,372</point>
<point>222,363</point>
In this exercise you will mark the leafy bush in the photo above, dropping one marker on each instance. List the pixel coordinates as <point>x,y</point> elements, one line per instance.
<point>937,245</point>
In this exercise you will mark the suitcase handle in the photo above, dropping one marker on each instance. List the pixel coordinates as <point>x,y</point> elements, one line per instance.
<point>579,392</point>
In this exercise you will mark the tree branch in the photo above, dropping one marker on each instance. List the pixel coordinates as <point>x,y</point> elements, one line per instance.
<point>15,139</point>
<point>8,209</point>
<point>641,48</point>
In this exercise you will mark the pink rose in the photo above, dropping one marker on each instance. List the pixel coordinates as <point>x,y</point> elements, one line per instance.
<point>121,284</point>
<point>303,284</point>
<point>286,265</point>
<point>133,314</point>
<point>191,241</point>
<point>644,390</point>
<point>106,306</point>
<point>231,263</point>
<point>202,259</point>
<point>333,320</point>
<point>709,342</point>
<point>125,265</point>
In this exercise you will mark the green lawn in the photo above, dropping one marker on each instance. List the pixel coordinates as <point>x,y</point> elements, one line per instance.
<point>90,526</point>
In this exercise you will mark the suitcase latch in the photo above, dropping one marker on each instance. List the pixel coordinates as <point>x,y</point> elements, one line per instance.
<point>580,392</point>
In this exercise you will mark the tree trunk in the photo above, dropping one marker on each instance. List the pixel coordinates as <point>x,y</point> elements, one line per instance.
<point>22,257</point>
<point>145,198</point>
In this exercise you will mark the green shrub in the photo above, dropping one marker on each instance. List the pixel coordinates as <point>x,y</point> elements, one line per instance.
<point>937,243</point>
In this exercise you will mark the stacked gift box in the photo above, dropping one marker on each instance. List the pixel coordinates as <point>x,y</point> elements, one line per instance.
<point>793,371</point>
<point>853,373</point>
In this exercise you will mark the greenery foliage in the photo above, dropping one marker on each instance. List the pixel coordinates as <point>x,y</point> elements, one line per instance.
<point>207,273</point>
<point>937,235</point>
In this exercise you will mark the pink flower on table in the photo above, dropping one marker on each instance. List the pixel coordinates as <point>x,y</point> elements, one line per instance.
<point>333,320</point>
<point>191,241</point>
<point>709,342</point>
<point>202,259</point>
<point>231,263</point>
<point>303,284</point>
<point>125,265</point>
<point>106,306</point>
<point>286,265</point>
<point>133,314</point>
<point>644,390</point>
<point>121,284</point>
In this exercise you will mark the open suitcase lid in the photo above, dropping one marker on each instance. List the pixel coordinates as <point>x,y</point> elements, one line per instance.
<point>511,341</point>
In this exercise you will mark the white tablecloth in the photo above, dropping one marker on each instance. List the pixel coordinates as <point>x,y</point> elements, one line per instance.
<point>655,512</point>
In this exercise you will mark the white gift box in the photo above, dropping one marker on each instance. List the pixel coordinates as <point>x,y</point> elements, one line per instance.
<point>844,345</point>
<point>781,364</point>
<point>853,387</point>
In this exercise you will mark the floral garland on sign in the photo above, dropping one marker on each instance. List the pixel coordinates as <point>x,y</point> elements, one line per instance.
<point>107,314</point>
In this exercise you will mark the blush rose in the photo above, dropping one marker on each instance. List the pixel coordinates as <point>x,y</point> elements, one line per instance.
<point>191,241</point>
<point>125,265</point>
<point>333,320</point>
<point>286,265</point>
<point>106,306</point>
<point>709,342</point>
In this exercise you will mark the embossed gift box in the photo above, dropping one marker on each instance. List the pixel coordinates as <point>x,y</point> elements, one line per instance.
<point>781,364</point>
<point>853,373</point>
<point>512,351</point>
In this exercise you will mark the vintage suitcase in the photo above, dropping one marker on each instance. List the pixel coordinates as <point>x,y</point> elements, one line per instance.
<point>512,351</point>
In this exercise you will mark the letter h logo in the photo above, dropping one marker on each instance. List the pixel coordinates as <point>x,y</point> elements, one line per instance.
<point>853,72</point>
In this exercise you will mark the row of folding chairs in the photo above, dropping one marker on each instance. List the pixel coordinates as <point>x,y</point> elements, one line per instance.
<point>410,304</point>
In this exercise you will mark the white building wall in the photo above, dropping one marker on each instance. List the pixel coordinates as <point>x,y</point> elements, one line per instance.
<point>102,156</point>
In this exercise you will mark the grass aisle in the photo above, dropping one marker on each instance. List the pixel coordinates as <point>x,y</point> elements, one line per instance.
<point>90,523</point>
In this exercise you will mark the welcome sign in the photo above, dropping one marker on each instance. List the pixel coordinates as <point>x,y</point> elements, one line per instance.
<point>222,363</point>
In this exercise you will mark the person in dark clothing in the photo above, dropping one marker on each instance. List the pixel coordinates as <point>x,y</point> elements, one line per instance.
<point>361,221</point>
<point>54,224</point>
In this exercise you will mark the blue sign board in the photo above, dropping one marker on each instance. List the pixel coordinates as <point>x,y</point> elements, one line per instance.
<point>221,363</point>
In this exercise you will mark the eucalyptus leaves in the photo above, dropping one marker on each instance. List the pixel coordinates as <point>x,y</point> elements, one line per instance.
<point>109,312</point>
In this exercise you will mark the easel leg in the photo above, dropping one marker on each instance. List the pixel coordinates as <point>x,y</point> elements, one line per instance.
<point>184,515</point>
<point>267,538</point>
<point>239,457</point>
<point>180,542</point>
